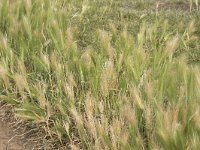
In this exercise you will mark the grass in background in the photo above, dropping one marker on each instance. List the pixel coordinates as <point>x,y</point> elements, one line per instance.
<point>95,76</point>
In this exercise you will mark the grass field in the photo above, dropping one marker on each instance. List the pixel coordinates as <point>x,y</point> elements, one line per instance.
<point>104,74</point>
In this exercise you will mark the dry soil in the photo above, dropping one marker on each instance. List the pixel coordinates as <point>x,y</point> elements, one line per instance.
<point>7,139</point>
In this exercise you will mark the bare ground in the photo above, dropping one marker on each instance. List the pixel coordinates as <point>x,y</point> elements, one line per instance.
<point>7,140</point>
<point>180,6</point>
<point>18,135</point>
<point>183,7</point>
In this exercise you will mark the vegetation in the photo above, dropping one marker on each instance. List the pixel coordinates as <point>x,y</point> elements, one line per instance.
<point>102,74</point>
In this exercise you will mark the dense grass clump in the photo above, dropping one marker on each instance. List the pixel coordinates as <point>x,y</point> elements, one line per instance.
<point>97,77</point>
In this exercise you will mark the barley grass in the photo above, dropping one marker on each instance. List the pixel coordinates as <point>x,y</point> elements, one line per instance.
<point>95,78</point>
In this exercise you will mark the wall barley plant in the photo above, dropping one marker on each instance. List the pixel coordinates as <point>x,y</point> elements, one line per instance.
<point>98,77</point>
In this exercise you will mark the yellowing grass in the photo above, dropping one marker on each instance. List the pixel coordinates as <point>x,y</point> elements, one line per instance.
<point>121,91</point>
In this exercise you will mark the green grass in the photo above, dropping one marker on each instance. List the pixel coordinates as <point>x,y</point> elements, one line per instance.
<point>103,74</point>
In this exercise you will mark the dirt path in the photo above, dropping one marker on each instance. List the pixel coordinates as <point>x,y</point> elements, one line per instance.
<point>18,135</point>
<point>6,135</point>
<point>8,138</point>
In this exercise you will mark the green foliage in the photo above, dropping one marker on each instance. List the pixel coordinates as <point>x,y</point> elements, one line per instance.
<point>98,77</point>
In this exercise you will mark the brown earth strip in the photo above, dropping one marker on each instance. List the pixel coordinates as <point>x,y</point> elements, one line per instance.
<point>18,135</point>
<point>180,6</point>
<point>7,140</point>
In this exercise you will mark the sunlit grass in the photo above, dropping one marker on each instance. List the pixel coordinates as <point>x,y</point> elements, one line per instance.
<point>96,78</point>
